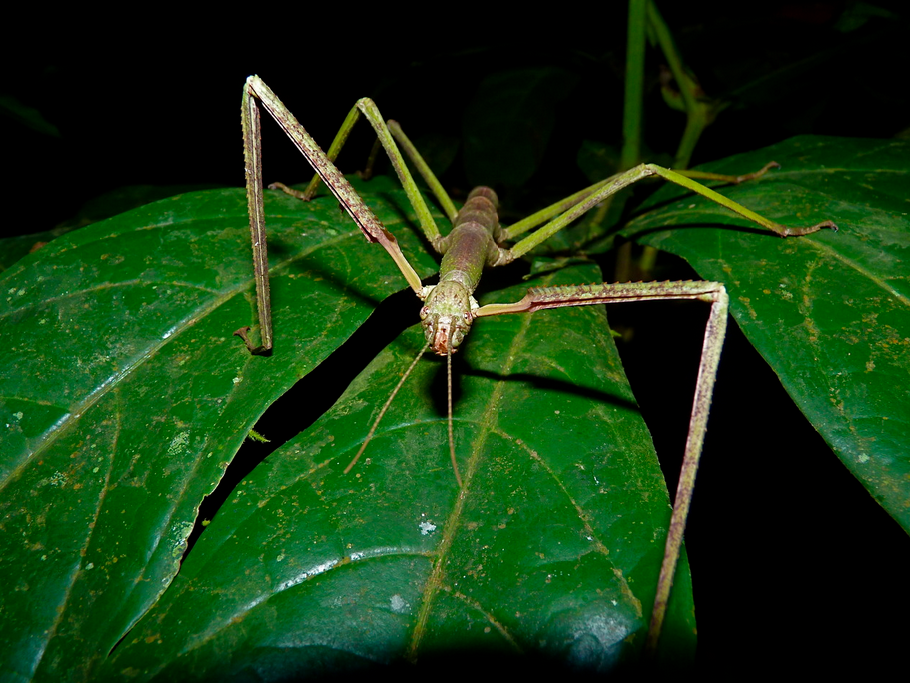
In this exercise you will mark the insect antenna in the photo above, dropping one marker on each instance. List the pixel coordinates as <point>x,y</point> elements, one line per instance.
<point>389,402</point>
<point>451,434</point>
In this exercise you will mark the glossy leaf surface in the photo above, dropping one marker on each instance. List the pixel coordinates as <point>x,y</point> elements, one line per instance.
<point>829,312</point>
<point>125,397</point>
<point>551,548</point>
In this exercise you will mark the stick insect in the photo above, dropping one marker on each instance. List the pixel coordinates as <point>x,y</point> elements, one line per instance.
<point>478,241</point>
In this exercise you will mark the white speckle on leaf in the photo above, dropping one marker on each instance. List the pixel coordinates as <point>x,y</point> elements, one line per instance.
<point>178,444</point>
<point>19,415</point>
<point>863,459</point>
<point>400,605</point>
<point>237,380</point>
<point>90,565</point>
<point>426,528</point>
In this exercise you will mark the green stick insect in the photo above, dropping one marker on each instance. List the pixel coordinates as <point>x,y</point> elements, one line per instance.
<point>477,241</point>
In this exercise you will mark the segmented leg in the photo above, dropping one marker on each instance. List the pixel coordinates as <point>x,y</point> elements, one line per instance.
<point>713,292</point>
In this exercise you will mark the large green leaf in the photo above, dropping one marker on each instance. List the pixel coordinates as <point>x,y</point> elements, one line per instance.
<point>125,397</point>
<point>551,548</point>
<point>830,313</point>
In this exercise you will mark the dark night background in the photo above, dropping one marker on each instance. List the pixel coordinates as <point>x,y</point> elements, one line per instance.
<point>793,562</point>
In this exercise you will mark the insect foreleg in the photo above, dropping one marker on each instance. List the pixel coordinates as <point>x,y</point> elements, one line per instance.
<point>716,295</point>
<point>255,92</point>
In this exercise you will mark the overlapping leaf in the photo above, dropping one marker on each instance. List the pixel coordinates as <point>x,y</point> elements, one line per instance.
<point>125,396</point>
<point>552,547</point>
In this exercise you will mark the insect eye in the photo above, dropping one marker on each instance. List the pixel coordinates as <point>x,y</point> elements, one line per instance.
<point>424,312</point>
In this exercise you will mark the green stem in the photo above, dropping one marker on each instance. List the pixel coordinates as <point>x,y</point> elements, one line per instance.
<point>696,113</point>
<point>634,93</point>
